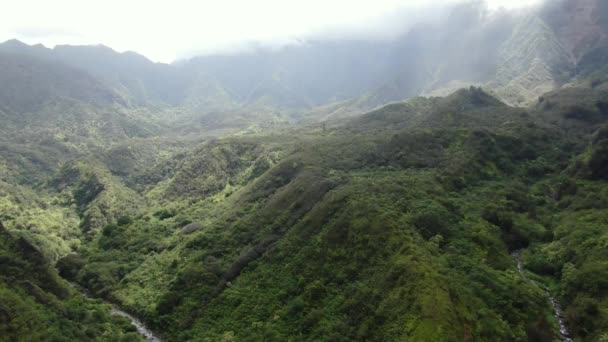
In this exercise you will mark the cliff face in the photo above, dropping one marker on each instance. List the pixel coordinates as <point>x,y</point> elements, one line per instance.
<point>581,25</point>
<point>536,52</point>
<point>564,40</point>
<point>531,62</point>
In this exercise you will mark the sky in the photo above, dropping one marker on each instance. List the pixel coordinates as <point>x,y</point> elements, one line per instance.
<point>166,30</point>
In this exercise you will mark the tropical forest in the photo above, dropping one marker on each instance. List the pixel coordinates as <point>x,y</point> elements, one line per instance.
<point>446,183</point>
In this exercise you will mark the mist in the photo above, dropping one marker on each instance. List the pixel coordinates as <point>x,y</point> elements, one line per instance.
<point>166,31</point>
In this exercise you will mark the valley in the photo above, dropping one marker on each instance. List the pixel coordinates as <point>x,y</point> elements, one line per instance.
<point>343,190</point>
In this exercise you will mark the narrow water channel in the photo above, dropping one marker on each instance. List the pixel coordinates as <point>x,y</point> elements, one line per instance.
<point>564,333</point>
<point>138,324</point>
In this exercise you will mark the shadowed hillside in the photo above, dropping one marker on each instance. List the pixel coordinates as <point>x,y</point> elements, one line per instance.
<point>38,305</point>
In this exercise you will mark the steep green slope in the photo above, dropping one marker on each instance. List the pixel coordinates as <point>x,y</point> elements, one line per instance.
<point>52,113</point>
<point>31,83</point>
<point>36,305</point>
<point>575,260</point>
<point>398,225</point>
<point>394,225</point>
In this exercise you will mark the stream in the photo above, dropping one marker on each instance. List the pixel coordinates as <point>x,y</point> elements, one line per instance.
<point>138,324</point>
<point>564,334</point>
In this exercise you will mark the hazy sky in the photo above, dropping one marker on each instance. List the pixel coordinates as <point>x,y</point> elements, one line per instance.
<point>164,30</point>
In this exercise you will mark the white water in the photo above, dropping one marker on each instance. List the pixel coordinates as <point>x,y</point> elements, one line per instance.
<point>141,328</point>
<point>139,325</point>
<point>564,334</point>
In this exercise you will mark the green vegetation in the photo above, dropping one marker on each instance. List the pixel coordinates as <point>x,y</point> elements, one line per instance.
<point>395,226</point>
<point>189,198</point>
<point>37,305</point>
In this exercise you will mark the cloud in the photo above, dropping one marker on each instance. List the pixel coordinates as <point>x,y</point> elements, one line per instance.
<point>164,30</point>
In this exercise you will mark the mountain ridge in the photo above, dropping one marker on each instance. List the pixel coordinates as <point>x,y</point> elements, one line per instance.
<point>290,75</point>
<point>313,193</point>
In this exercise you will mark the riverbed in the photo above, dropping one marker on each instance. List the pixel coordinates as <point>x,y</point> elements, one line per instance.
<point>137,323</point>
<point>564,333</point>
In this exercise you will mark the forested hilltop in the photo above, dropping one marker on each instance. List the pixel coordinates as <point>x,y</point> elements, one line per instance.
<point>314,193</point>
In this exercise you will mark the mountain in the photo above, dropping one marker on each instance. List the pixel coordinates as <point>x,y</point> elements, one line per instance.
<point>447,184</point>
<point>580,25</point>
<point>52,113</point>
<point>532,62</point>
<point>406,214</point>
<point>32,84</point>
<point>520,55</point>
<point>130,73</point>
<point>133,76</point>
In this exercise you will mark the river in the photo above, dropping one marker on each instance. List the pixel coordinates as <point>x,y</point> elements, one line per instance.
<point>557,310</point>
<point>138,324</point>
<point>564,333</point>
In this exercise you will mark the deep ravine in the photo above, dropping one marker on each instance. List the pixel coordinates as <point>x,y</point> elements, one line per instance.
<point>564,333</point>
<point>138,324</point>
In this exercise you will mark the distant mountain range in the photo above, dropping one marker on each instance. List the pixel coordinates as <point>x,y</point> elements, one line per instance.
<point>518,55</point>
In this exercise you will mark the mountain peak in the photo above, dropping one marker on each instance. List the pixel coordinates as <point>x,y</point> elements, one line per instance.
<point>91,47</point>
<point>19,47</point>
<point>14,43</point>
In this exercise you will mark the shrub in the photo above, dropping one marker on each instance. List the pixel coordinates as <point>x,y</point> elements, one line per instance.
<point>124,220</point>
<point>70,265</point>
<point>164,213</point>
<point>432,219</point>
